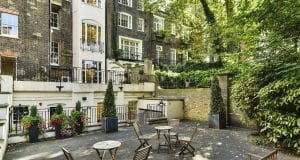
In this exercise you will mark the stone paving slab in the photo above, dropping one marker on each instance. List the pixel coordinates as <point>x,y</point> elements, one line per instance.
<point>210,144</point>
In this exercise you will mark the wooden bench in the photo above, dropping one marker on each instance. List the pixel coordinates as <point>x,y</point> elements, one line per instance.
<point>270,156</point>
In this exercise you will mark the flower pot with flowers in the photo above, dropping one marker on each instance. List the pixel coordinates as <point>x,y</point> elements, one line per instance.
<point>33,124</point>
<point>78,119</point>
<point>59,121</point>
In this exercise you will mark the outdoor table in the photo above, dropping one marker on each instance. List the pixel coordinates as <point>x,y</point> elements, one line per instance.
<point>111,146</point>
<point>167,136</point>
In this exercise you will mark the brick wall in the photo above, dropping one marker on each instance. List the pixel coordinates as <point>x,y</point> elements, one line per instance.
<point>196,101</point>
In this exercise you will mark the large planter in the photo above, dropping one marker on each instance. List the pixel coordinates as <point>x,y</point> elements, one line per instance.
<point>79,128</point>
<point>33,132</point>
<point>58,131</point>
<point>217,121</point>
<point>109,124</point>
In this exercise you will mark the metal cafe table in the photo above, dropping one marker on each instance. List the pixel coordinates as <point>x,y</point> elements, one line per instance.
<point>166,130</point>
<point>111,146</point>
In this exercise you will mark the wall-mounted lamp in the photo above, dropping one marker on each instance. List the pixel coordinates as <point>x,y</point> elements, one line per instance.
<point>84,98</point>
<point>121,87</point>
<point>60,86</point>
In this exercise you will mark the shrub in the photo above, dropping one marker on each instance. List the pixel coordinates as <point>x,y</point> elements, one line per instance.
<point>77,117</point>
<point>60,118</point>
<point>33,119</point>
<point>269,93</point>
<point>109,101</point>
<point>217,105</point>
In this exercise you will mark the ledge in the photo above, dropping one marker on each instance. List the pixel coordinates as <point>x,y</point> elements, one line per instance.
<point>5,105</point>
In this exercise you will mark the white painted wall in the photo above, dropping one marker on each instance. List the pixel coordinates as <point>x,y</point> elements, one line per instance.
<point>82,11</point>
<point>46,93</point>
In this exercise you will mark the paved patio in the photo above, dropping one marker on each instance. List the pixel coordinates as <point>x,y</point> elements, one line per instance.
<point>210,144</point>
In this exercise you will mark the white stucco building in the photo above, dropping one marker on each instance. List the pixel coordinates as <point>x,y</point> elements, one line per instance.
<point>89,40</point>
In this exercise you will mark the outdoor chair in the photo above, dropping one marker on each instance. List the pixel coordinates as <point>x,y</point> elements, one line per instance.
<point>143,138</point>
<point>143,153</point>
<point>186,143</point>
<point>270,156</point>
<point>67,154</point>
<point>173,134</point>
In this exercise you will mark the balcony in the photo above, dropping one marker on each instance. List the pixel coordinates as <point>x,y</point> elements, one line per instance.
<point>131,56</point>
<point>93,47</point>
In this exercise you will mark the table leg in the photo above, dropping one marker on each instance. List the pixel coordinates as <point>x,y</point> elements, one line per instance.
<point>113,153</point>
<point>99,154</point>
<point>158,137</point>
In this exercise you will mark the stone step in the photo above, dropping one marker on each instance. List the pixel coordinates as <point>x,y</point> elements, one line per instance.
<point>157,120</point>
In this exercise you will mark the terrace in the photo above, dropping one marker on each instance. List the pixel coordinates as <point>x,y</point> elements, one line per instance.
<point>232,143</point>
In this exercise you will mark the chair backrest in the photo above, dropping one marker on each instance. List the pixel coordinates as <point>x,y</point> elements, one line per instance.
<point>194,133</point>
<point>175,123</point>
<point>67,154</point>
<point>270,156</point>
<point>137,129</point>
<point>143,153</point>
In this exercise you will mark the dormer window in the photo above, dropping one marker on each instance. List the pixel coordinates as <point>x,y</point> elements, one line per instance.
<point>126,2</point>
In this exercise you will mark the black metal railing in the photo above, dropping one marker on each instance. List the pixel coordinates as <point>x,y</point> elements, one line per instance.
<point>131,56</point>
<point>93,116</point>
<point>155,111</point>
<point>34,72</point>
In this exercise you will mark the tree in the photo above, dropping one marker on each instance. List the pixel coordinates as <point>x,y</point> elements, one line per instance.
<point>109,101</point>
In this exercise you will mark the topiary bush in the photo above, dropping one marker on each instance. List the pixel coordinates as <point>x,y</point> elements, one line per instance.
<point>217,105</point>
<point>269,92</point>
<point>109,102</point>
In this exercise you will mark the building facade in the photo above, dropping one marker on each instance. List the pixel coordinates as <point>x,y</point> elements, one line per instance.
<point>89,40</point>
<point>35,38</point>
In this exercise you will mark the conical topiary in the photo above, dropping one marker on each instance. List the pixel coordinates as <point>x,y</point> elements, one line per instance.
<point>217,105</point>
<point>109,101</point>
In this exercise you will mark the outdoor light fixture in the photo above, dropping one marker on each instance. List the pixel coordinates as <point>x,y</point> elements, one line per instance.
<point>60,86</point>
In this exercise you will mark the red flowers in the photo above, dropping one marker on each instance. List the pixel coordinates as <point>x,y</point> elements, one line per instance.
<point>28,126</point>
<point>57,121</point>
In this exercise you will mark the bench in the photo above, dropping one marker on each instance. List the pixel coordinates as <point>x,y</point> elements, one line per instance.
<point>270,156</point>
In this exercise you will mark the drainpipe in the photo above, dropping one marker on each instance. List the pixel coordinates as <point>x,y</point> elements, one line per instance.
<point>106,35</point>
<point>50,34</point>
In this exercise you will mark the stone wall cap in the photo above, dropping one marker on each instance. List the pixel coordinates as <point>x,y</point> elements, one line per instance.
<point>3,105</point>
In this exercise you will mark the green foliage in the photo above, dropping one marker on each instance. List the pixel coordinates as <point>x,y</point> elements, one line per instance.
<point>77,117</point>
<point>78,106</point>
<point>269,93</point>
<point>217,105</point>
<point>59,109</point>
<point>177,80</point>
<point>109,101</point>
<point>33,119</point>
<point>33,111</point>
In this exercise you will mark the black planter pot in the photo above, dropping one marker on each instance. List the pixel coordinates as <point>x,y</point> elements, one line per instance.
<point>58,131</point>
<point>79,128</point>
<point>217,121</point>
<point>34,132</point>
<point>109,124</point>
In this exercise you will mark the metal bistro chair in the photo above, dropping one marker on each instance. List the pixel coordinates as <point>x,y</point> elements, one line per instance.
<point>142,138</point>
<point>143,153</point>
<point>186,143</point>
<point>270,156</point>
<point>174,135</point>
<point>67,154</point>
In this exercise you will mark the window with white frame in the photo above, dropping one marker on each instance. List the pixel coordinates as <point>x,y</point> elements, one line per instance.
<point>8,25</point>
<point>173,55</point>
<point>54,57</point>
<point>91,37</point>
<point>173,29</point>
<point>95,3</point>
<point>140,5</point>
<point>159,50</point>
<point>54,20</point>
<point>158,23</point>
<point>140,24</point>
<point>126,2</point>
<point>125,20</point>
<point>91,72</point>
<point>131,49</point>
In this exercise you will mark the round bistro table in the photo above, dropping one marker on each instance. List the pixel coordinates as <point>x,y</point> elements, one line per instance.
<point>111,146</point>
<point>167,136</point>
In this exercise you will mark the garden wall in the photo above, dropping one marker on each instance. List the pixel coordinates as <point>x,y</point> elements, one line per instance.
<point>196,101</point>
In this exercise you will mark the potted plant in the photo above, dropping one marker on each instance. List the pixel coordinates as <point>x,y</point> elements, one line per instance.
<point>109,118</point>
<point>59,121</point>
<point>33,124</point>
<point>78,118</point>
<point>217,116</point>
